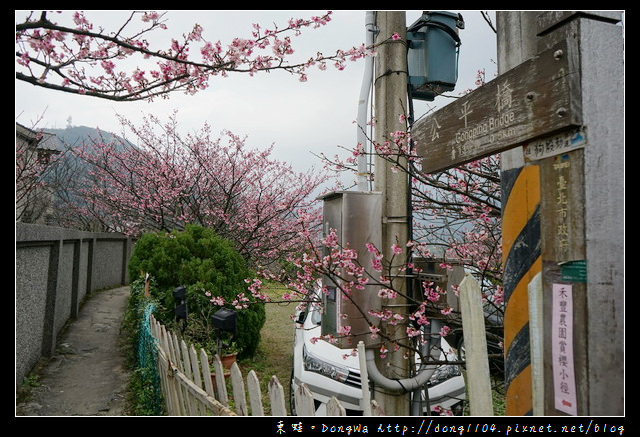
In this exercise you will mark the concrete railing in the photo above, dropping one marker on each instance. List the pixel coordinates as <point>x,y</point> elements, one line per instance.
<point>55,269</point>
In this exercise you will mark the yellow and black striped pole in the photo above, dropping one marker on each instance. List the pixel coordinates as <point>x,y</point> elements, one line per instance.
<point>522,261</point>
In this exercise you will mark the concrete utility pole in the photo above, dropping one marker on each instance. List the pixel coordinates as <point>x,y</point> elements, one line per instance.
<point>390,95</point>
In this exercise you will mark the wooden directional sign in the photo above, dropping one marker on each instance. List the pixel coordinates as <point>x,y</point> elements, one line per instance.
<point>538,98</point>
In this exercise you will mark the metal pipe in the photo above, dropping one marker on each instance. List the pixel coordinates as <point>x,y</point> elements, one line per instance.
<point>407,384</point>
<point>363,102</point>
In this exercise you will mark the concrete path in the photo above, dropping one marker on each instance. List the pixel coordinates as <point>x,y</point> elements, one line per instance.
<point>87,375</point>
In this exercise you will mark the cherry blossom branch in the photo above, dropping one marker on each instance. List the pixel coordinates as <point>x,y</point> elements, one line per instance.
<point>457,210</point>
<point>55,56</point>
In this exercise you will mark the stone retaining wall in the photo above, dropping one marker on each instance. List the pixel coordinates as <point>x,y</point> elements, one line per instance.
<point>55,269</point>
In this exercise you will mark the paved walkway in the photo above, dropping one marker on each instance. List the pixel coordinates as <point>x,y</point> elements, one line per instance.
<point>87,375</point>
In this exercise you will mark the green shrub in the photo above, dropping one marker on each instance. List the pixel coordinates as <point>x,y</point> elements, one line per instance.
<point>203,262</point>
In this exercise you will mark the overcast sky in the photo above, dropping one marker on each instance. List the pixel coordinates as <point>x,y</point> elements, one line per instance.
<point>299,117</point>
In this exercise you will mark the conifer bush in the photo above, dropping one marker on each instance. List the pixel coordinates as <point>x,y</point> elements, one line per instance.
<point>208,266</point>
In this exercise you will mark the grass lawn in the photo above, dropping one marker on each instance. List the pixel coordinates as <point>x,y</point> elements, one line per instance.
<point>275,351</point>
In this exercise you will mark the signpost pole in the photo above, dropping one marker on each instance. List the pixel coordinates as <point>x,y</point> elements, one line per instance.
<point>582,226</point>
<point>568,220</point>
<point>556,114</point>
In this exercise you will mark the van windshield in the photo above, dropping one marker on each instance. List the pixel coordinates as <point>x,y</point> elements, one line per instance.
<point>316,316</point>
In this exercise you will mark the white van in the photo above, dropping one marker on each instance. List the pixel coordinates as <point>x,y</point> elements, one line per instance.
<point>327,372</point>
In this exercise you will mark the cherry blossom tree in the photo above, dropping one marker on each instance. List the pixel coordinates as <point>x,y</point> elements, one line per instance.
<point>460,219</point>
<point>168,180</point>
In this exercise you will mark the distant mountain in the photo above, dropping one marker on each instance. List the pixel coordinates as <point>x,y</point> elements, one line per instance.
<point>71,171</point>
<point>75,136</point>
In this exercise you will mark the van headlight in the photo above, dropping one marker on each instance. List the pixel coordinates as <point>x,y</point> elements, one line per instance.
<point>314,364</point>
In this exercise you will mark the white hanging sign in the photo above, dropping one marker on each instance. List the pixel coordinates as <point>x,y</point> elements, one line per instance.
<point>562,350</point>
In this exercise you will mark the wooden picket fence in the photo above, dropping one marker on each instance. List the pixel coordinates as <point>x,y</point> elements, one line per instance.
<point>185,375</point>
<point>188,388</point>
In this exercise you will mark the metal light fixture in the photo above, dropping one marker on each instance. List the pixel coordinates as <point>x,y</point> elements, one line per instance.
<point>225,320</point>
<point>432,54</point>
<point>180,298</point>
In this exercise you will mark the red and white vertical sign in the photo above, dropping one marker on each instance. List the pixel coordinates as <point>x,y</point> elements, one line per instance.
<point>562,349</point>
